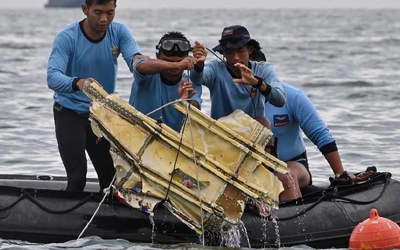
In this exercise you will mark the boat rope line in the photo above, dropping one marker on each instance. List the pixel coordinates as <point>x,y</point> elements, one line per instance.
<point>333,196</point>
<point>82,202</point>
<point>28,196</point>
<point>3,209</point>
<point>232,70</point>
<point>106,191</point>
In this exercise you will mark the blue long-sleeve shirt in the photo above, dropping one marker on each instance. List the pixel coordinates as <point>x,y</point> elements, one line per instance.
<point>74,55</point>
<point>149,93</point>
<point>298,114</point>
<point>227,96</point>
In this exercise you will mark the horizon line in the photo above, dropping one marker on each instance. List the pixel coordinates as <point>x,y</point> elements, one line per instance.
<point>230,7</point>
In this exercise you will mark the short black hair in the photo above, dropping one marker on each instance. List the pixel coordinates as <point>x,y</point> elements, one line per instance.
<point>100,2</point>
<point>173,34</point>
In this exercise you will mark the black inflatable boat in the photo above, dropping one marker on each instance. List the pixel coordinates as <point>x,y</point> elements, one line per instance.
<point>36,209</point>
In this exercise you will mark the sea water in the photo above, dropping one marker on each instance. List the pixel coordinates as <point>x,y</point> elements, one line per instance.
<point>347,61</point>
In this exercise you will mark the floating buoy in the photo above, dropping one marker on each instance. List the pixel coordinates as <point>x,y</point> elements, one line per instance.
<point>375,233</point>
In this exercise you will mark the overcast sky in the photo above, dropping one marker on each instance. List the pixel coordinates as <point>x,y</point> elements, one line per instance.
<point>225,3</point>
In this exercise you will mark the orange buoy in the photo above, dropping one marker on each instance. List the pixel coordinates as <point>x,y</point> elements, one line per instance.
<point>375,233</point>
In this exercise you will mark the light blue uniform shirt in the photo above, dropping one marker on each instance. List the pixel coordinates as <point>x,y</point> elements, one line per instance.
<point>287,122</point>
<point>75,56</point>
<point>227,96</point>
<point>149,93</point>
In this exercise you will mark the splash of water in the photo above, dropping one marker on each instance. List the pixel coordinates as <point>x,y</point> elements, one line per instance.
<point>153,228</point>
<point>244,229</point>
<point>231,236</point>
<point>278,237</point>
<point>292,185</point>
<point>267,213</point>
<point>301,218</point>
<point>264,230</point>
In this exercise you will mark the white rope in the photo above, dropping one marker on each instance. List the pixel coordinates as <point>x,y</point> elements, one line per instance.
<point>167,104</point>
<point>197,171</point>
<point>106,192</point>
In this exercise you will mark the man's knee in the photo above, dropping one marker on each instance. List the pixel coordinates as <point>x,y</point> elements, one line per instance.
<point>299,172</point>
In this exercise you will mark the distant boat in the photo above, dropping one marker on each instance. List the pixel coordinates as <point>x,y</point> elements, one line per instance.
<point>64,3</point>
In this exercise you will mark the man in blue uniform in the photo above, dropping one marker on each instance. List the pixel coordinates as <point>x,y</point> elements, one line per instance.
<point>86,50</point>
<point>298,114</point>
<point>160,81</point>
<point>237,83</point>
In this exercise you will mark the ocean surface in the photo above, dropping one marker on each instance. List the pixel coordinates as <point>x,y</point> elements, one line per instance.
<point>347,61</point>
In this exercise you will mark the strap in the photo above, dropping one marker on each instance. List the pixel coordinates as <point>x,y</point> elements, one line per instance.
<point>259,83</point>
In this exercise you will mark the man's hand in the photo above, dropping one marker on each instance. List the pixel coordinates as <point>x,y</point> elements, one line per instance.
<point>81,82</point>
<point>200,52</point>
<point>187,63</point>
<point>247,75</point>
<point>352,176</point>
<point>185,90</point>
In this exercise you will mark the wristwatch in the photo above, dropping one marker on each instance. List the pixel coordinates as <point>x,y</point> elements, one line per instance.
<point>259,83</point>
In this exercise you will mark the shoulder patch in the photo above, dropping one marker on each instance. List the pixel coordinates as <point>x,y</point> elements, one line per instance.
<point>115,51</point>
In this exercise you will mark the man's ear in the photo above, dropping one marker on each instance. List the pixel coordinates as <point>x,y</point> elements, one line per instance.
<point>85,9</point>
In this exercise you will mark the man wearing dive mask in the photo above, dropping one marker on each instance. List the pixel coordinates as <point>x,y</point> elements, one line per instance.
<point>162,80</point>
<point>174,46</point>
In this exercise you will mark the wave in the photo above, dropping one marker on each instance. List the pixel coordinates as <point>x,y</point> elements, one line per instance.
<point>18,59</point>
<point>283,48</point>
<point>330,41</point>
<point>389,41</point>
<point>8,127</point>
<point>33,107</point>
<point>7,72</point>
<point>319,84</point>
<point>364,52</point>
<point>17,46</point>
<point>357,83</point>
<point>357,96</point>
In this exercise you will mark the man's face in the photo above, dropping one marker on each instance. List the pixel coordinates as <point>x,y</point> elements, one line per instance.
<point>240,55</point>
<point>171,75</point>
<point>100,16</point>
